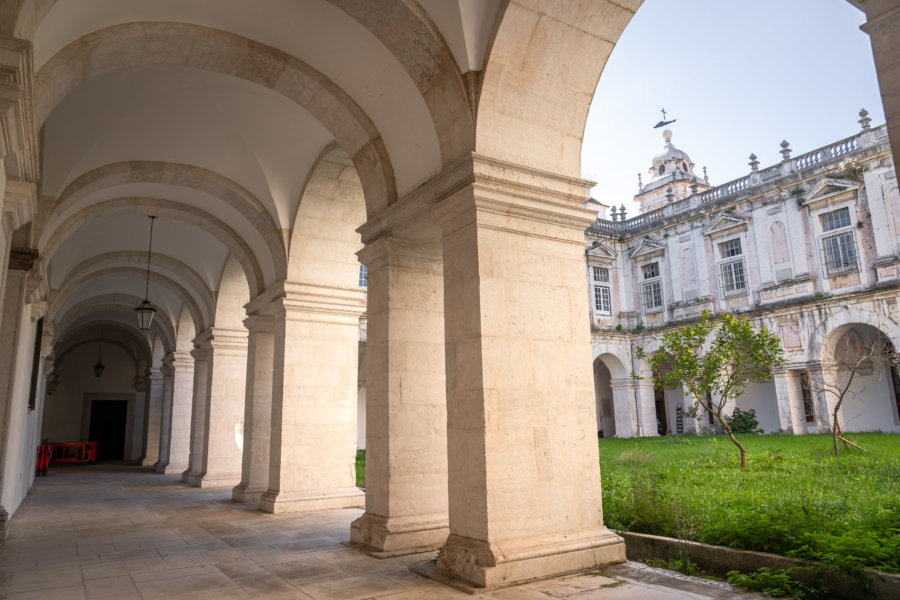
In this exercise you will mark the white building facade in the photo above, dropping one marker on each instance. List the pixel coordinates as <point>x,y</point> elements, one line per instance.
<point>810,247</point>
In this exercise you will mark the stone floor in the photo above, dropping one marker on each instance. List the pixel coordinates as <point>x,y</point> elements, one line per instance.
<point>122,533</point>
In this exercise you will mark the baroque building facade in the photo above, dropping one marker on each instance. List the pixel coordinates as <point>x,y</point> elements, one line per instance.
<point>809,247</point>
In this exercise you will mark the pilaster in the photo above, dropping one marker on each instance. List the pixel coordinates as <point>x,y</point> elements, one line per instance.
<point>175,430</point>
<point>153,416</point>
<point>199,395</point>
<point>623,407</point>
<point>406,411</point>
<point>257,409</point>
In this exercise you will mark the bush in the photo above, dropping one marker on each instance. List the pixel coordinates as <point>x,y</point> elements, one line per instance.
<point>743,421</point>
<point>775,584</point>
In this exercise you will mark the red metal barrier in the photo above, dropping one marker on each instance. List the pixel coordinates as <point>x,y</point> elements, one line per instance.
<point>74,452</point>
<point>44,452</point>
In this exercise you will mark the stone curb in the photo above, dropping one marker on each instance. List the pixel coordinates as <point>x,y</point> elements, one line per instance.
<point>718,560</point>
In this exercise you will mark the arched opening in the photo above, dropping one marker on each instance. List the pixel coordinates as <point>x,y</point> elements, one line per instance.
<point>606,416</point>
<point>859,372</point>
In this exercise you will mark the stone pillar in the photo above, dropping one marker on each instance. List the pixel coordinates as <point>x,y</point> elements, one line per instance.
<point>623,406</point>
<point>406,412</point>
<point>153,416</point>
<point>257,409</point>
<point>165,417</point>
<point>791,416</point>
<point>198,415</point>
<point>223,418</point>
<point>175,439</point>
<point>823,402</point>
<point>313,438</point>
<point>134,439</point>
<point>645,399</point>
<point>523,462</point>
<point>883,27</point>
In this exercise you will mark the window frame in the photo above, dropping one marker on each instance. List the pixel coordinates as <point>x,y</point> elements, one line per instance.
<point>729,264</point>
<point>837,244</point>
<point>651,287</point>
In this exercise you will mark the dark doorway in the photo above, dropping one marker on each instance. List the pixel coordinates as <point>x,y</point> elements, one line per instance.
<point>660,397</point>
<point>108,428</point>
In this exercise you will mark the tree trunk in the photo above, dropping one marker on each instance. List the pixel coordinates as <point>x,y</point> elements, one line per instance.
<point>736,443</point>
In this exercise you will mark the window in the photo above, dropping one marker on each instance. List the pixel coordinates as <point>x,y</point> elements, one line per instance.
<point>732,274</point>
<point>602,302</point>
<point>730,248</point>
<point>600,274</point>
<point>651,291</point>
<point>806,394</point>
<point>839,253</point>
<point>835,219</point>
<point>650,271</point>
<point>363,276</point>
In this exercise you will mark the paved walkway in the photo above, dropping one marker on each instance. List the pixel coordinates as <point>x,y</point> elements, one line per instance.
<point>123,533</point>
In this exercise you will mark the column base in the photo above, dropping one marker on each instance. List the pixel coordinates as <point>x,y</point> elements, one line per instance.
<point>242,492</point>
<point>384,537</point>
<point>149,462</point>
<point>170,469</point>
<point>208,480</point>
<point>474,565</point>
<point>276,502</point>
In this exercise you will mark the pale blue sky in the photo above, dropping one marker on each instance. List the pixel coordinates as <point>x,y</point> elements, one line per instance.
<point>739,77</point>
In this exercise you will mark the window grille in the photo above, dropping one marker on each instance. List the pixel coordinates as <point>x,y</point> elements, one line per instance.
<point>602,303</point>
<point>839,253</point>
<point>600,274</point>
<point>733,277</point>
<point>363,276</point>
<point>835,219</point>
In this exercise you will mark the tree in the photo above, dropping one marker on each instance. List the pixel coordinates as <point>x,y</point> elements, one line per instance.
<point>718,358</point>
<point>855,353</point>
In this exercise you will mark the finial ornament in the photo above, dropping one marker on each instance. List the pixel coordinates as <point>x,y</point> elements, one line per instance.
<point>864,119</point>
<point>667,135</point>
<point>705,176</point>
<point>622,212</point>
<point>754,164</point>
<point>640,184</point>
<point>615,217</point>
<point>785,150</point>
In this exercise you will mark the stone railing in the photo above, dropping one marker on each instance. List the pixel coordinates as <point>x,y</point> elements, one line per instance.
<point>724,193</point>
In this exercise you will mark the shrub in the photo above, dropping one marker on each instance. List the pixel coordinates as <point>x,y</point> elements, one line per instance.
<point>776,584</point>
<point>743,421</point>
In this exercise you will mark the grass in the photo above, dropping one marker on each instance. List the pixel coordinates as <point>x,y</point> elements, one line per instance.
<point>795,498</point>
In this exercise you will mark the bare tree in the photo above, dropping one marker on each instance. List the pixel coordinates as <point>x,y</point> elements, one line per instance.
<point>855,353</point>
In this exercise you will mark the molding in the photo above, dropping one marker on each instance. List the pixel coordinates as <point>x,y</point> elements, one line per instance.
<point>726,223</point>
<point>647,248</point>
<point>828,188</point>
<point>18,130</point>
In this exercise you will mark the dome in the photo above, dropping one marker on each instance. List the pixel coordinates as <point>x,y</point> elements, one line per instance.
<point>670,165</point>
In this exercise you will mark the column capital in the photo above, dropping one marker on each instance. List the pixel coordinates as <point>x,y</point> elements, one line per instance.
<point>406,254</point>
<point>19,203</point>
<point>155,375</point>
<point>309,302</point>
<point>260,323</point>
<point>218,339</point>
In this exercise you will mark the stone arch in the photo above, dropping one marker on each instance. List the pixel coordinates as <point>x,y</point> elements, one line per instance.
<point>113,307</point>
<point>231,297</point>
<point>324,240</point>
<point>431,66</point>
<point>179,175</point>
<point>185,332</point>
<point>139,347</point>
<point>549,56</point>
<point>52,240</point>
<point>872,398</point>
<point>59,300</point>
<point>608,368</point>
<point>171,269</point>
<point>194,46</point>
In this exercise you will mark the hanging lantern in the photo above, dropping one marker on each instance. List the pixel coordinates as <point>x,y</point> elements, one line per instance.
<point>144,311</point>
<point>98,368</point>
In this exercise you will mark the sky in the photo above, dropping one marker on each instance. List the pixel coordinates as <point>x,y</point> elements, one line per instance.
<point>739,76</point>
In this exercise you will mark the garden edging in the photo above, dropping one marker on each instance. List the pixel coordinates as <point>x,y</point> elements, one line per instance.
<point>718,560</point>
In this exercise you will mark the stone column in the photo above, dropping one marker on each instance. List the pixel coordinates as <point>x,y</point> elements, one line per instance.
<point>791,416</point>
<point>153,416</point>
<point>645,399</point>
<point>257,409</point>
<point>623,411</point>
<point>134,441</point>
<point>523,463</point>
<point>883,26</point>
<point>223,418</point>
<point>175,440</point>
<point>165,416</point>
<point>313,439</point>
<point>198,415</point>
<point>823,402</point>
<point>406,412</point>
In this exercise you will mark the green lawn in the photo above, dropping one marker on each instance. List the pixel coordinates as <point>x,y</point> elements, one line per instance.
<point>795,497</point>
